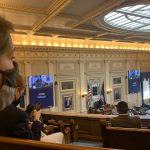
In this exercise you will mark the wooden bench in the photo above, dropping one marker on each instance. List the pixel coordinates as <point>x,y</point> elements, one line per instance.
<point>126,138</point>
<point>21,144</point>
<point>85,124</point>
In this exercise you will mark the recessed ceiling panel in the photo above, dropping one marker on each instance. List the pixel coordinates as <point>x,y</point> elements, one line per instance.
<point>19,18</point>
<point>58,22</point>
<point>40,4</point>
<point>81,7</point>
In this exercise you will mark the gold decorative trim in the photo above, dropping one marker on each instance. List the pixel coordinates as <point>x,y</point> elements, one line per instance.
<point>76,44</point>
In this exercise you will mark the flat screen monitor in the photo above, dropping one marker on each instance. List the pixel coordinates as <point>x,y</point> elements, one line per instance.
<point>134,81</point>
<point>41,90</point>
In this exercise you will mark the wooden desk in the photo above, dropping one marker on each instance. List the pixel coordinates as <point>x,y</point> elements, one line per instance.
<point>126,138</point>
<point>89,124</point>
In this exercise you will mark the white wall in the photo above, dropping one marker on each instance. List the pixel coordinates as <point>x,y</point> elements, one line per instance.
<point>80,65</point>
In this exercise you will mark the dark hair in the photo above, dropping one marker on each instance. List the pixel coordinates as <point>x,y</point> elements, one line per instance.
<point>5,28</point>
<point>122,107</point>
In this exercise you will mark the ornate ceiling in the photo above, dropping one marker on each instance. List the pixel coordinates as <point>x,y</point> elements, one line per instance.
<point>75,19</point>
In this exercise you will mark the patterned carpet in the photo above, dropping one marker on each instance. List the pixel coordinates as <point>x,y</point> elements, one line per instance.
<point>86,143</point>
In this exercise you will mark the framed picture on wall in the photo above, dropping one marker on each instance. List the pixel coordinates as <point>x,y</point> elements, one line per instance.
<point>67,85</point>
<point>117,94</point>
<point>67,100</point>
<point>117,80</point>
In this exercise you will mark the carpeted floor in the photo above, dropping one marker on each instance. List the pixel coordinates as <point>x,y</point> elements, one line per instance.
<point>86,143</point>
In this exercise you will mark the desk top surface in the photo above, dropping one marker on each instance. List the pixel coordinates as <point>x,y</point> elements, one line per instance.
<point>73,114</point>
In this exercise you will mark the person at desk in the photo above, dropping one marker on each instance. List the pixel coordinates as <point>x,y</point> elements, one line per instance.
<point>124,120</point>
<point>101,102</point>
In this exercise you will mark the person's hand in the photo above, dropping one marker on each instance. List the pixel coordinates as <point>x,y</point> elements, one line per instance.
<point>30,124</point>
<point>37,115</point>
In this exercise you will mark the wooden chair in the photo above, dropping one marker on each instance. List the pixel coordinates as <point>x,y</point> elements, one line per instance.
<point>59,126</point>
<point>126,138</point>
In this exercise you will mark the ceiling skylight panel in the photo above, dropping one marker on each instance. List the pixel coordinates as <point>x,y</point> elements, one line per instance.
<point>146,7</point>
<point>135,7</point>
<point>133,18</point>
<point>114,16</point>
<point>145,28</point>
<point>118,19</point>
<point>145,21</point>
<point>132,24</point>
<point>123,22</point>
<point>143,13</point>
<point>121,19</point>
<point>111,14</point>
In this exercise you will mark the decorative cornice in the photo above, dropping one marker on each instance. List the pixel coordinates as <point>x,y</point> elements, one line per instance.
<point>53,44</point>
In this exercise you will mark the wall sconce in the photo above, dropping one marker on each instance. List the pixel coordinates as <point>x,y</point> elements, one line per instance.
<point>109,91</point>
<point>84,94</point>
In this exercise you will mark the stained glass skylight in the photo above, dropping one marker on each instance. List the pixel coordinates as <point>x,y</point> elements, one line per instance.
<point>134,18</point>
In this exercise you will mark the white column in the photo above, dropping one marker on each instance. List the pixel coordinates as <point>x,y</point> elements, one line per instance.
<point>107,82</point>
<point>52,72</point>
<point>83,88</point>
<point>28,72</point>
<point>139,96</point>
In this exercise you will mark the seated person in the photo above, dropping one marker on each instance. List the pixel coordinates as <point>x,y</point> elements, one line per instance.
<point>101,102</point>
<point>14,122</point>
<point>124,120</point>
<point>53,137</point>
<point>107,109</point>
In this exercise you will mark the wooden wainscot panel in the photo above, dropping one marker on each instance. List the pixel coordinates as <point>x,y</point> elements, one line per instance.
<point>117,66</point>
<point>95,67</point>
<point>145,65</point>
<point>132,65</point>
<point>66,68</point>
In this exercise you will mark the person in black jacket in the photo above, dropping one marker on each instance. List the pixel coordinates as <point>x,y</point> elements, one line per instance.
<point>123,119</point>
<point>14,122</point>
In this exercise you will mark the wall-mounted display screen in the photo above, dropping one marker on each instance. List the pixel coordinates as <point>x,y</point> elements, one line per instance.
<point>41,90</point>
<point>134,81</point>
<point>133,74</point>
